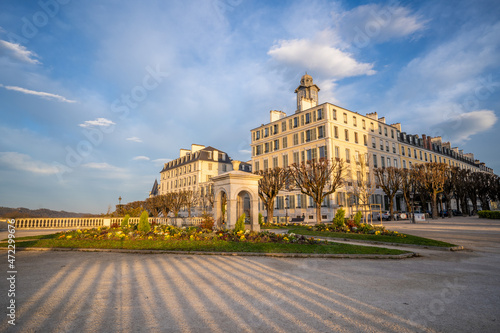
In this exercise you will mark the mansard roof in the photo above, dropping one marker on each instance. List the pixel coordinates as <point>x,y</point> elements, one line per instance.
<point>200,155</point>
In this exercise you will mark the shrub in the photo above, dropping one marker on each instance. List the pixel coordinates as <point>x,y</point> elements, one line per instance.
<point>338,220</point>
<point>143,222</point>
<point>208,222</point>
<point>124,223</point>
<point>489,214</point>
<point>261,219</point>
<point>357,218</point>
<point>321,227</point>
<point>240,224</point>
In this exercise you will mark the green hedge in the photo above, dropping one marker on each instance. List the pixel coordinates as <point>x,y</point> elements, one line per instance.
<point>489,214</point>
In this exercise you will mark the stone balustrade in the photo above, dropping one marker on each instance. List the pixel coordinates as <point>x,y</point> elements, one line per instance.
<point>94,222</point>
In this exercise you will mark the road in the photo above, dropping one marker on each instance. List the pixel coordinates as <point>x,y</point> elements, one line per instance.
<point>440,291</point>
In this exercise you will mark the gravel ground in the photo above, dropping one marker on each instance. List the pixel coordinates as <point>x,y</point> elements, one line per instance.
<point>115,292</point>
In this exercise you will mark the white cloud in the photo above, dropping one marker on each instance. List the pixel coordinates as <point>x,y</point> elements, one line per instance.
<point>161,161</point>
<point>134,139</point>
<point>460,128</point>
<point>100,166</point>
<point>319,57</point>
<point>17,52</point>
<point>18,161</point>
<point>98,122</point>
<point>38,93</point>
<point>141,158</point>
<point>377,23</point>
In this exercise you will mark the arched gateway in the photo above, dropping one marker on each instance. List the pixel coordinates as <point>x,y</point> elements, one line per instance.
<point>236,192</point>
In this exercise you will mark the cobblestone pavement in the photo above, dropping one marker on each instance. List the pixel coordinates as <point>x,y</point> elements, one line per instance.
<point>115,292</point>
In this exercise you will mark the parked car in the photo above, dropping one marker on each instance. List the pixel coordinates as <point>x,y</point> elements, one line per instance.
<point>457,213</point>
<point>385,215</point>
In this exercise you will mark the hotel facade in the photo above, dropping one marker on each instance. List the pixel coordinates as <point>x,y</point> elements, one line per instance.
<point>330,131</point>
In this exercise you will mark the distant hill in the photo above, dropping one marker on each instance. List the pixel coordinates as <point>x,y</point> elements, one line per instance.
<point>21,212</point>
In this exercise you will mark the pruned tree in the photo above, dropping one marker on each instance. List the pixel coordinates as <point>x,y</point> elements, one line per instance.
<point>461,191</point>
<point>432,179</point>
<point>486,184</point>
<point>450,183</point>
<point>318,179</point>
<point>364,185</point>
<point>190,198</point>
<point>176,201</point>
<point>408,186</point>
<point>272,181</point>
<point>152,205</point>
<point>389,179</point>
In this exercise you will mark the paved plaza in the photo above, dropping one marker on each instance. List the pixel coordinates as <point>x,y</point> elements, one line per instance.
<point>440,291</point>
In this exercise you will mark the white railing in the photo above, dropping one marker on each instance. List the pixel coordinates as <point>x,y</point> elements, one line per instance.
<point>92,222</point>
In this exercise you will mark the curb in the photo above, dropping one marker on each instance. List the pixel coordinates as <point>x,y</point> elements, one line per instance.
<point>235,254</point>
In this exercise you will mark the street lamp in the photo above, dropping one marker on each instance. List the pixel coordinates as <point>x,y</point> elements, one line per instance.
<point>120,204</point>
<point>286,208</point>
<point>412,208</point>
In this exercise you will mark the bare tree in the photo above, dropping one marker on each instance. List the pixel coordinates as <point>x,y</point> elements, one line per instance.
<point>190,199</point>
<point>450,183</point>
<point>176,201</point>
<point>318,179</point>
<point>408,186</point>
<point>461,189</point>
<point>364,185</point>
<point>389,179</point>
<point>152,204</point>
<point>433,178</point>
<point>272,181</point>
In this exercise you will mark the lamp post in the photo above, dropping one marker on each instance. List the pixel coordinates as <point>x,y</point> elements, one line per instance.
<point>120,204</point>
<point>286,208</point>
<point>412,208</point>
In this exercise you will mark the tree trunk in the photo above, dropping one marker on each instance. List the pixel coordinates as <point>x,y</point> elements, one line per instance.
<point>448,208</point>
<point>391,208</point>
<point>434,206</point>
<point>270,211</point>
<point>318,213</point>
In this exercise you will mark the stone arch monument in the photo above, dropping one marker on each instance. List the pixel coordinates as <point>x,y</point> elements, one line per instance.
<point>240,190</point>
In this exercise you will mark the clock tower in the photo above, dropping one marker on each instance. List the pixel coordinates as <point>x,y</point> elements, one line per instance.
<point>307,93</point>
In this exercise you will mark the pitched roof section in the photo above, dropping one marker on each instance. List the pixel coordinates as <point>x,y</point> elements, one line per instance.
<point>205,154</point>
<point>154,190</point>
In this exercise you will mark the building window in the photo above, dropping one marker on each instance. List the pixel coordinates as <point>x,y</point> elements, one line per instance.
<point>308,118</point>
<point>266,165</point>
<point>346,132</point>
<point>334,114</point>
<point>275,129</point>
<point>296,157</point>
<point>425,157</point>
<point>381,144</point>
<point>283,126</point>
<point>403,151</point>
<point>285,160</point>
<point>387,145</point>
<point>374,144</point>
<point>404,164</point>
<point>345,118</point>
<point>276,144</point>
<point>301,137</point>
<point>365,140</point>
<point>321,132</point>
<point>395,163</point>
<point>295,139</point>
<point>347,155</point>
<point>363,123</point>
<point>337,152</point>
<point>382,161</point>
<point>336,132</point>
<point>322,152</point>
<point>320,114</point>
<point>385,131</point>
<point>258,150</point>
<point>266,147</point>
<point>394,148</point>
<point>257,135</point>
<point>285,143</point>
<point>295,122</point>
<point>388,161</point>
<point>372,127</point>
<point>356,137</point>
<point>275,162</point>
<point>224,169</point>
<point>354,121</point>
<point>209,166</point>
<point>392,133</point>
<point>356,156</point>
<point>266,132</point>
<point>375,160</point>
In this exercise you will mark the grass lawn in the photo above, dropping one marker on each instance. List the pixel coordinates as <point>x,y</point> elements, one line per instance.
<point>409,239</point>
<point>50,241</point>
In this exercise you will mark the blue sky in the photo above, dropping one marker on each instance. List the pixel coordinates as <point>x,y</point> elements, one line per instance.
<point>95,96</point>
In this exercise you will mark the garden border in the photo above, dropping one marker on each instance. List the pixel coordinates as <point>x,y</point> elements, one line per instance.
<point>255,254</point>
